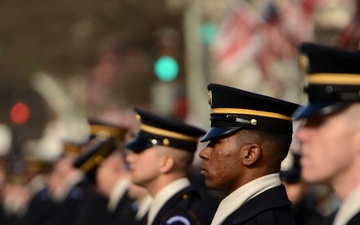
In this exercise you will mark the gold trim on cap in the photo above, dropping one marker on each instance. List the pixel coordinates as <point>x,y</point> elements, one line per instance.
<point>250,112</point>
<point>71,150</point>
<point>333,78</point>
<point>34,164</point>
<point>102,130</point>
<point>167,133</point>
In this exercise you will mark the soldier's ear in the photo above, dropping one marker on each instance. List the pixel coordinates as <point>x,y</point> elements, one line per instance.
<point>250,153</point>
<point>167,163</point>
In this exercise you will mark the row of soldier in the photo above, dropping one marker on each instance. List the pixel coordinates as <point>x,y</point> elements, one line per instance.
<point>113,179</point>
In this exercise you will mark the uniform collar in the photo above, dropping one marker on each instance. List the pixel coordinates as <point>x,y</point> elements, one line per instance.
<point>117,193</point>
<point>349,207</point>
<point>164,195</point>
<point>243,194</point>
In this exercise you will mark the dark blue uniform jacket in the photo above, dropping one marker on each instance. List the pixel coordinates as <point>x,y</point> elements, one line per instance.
<point>272,207</point>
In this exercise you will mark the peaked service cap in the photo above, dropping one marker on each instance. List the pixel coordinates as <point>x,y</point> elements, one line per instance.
<point>333,78</point>
<point>157,130</point>
<point>233,109</point>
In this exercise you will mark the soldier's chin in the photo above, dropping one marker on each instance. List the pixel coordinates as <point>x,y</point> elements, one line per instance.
<point>309,176</point>
<point>212,185</point>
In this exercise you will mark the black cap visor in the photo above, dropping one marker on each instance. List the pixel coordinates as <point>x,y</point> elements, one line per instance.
<point>215,132</point>
<point>139,144</point>
<point>317,109</point>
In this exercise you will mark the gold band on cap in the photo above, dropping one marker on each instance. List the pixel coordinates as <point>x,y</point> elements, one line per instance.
<point>167,133</point>
<point>249,112</point>
<point>72,150</point>
<point>334,78</point>
<point>115,132</point>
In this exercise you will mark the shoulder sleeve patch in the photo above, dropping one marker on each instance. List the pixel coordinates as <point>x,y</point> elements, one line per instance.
<point>178,220</point>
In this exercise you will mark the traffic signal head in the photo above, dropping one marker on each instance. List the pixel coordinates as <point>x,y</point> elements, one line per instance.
<point>166,68</point>
<point>19,113</point>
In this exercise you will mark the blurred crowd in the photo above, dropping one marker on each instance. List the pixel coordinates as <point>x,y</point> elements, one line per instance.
<point>88,183</point>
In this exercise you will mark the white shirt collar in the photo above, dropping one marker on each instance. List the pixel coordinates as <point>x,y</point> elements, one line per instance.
<point>144,206</point>
<point>164,194</point>
<point>117,193</point>
<point>244,193</point>
<point>348,208</point>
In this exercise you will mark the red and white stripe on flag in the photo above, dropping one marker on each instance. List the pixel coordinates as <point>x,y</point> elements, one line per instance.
<point>236,42</point>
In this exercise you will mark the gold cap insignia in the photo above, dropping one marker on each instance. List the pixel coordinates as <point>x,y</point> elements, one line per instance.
<point>209,96</point>
<point>303,62</point>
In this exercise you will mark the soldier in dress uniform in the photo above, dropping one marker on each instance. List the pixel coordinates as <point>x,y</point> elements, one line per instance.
<point>104,165</point>
<point>250,135</point>
<point>40,203</point>
<point>160,158</point>
<point>67,187</point>
<point>15,194</point>
<point>91,206</point>
<point>74,199</point>
<point>330,134</point>
<point>304,203</point>
<point>141,204</point>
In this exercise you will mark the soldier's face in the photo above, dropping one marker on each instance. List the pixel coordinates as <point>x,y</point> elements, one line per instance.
<point>330,145</point>
<point>109,171</point>
<point>144,166</point>
<point>222,165</point>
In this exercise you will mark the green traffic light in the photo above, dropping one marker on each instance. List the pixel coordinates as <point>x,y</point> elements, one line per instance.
<point>166,68</point>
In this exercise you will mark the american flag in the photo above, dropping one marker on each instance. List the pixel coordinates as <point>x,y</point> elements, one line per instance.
<point>349,36</point>
<point>248,34</point>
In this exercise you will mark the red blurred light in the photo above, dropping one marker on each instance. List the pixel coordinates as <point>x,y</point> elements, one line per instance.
<point>19,113</point>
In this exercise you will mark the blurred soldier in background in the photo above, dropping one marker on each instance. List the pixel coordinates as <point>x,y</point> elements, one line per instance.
<point>67,187</point>
<point>2,185</point>
<point>304,203</point>
<point>40,202</point>
<point>249,137</point>
<point>15,195</point>
<point>329,136</point>
<point>141,205</point>
<point>70,197</point>
<point>26,176</point>
<point>36,172</point>
<point>104,166</point>
<point>160,158</point>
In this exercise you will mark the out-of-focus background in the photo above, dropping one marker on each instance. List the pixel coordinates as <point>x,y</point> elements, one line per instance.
<point>63,61</point>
